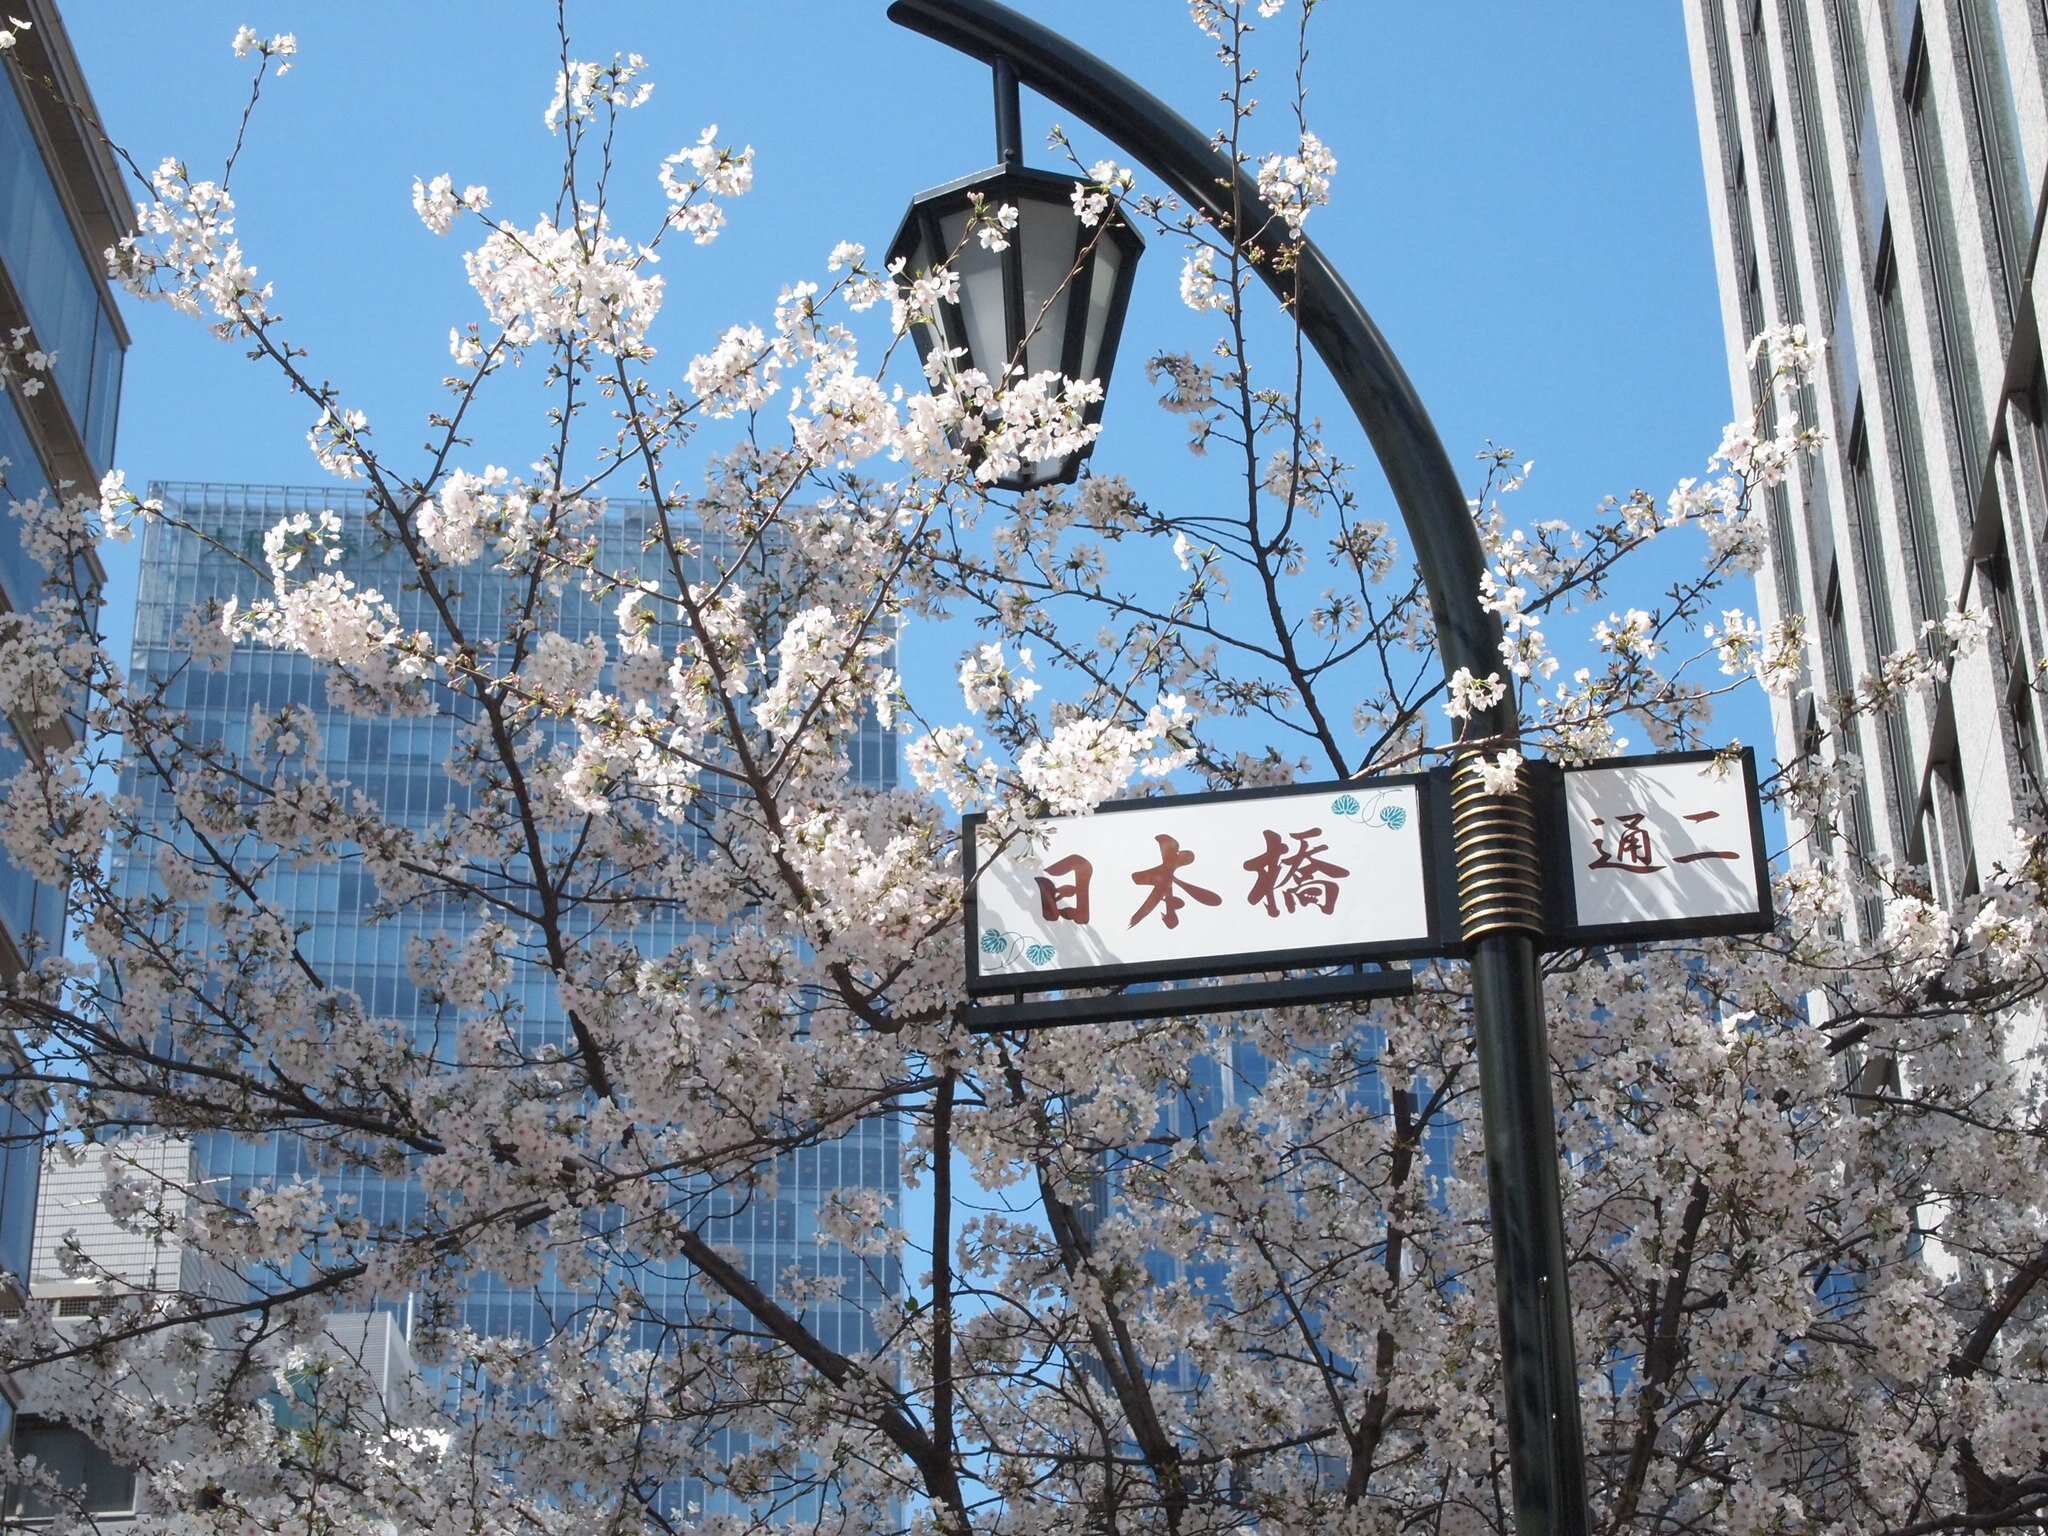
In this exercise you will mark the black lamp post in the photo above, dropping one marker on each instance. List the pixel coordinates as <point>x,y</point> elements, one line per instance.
<point>1051,301</point>
<point>1499,887</point>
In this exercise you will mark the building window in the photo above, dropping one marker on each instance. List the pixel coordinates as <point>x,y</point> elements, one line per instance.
<point>1911,468</point>
<point>1834,642</point>
<point>1771,168</point>
<point>1785,271</point>
<point>77,1463</point>
<point>53,277</point>
<point>1874,593</point>
<point>1812,738</point>
<point>1994,116</point>
<point>2011,674</point>
<point>1937,228</point>
<point>2026,435</point>
<point>1871,585</point>
<point>1813,155</point>
<point>1724,86</point>
<point>1785,284</point>
<point>1948,850</point>
<point>2024,722</point>
<point>1778,509</point>
<point>1847,37</point>
<point>1777,504</point>
<point>1955,858</point>
<point>1861,832</point>
<point>1752,295</point>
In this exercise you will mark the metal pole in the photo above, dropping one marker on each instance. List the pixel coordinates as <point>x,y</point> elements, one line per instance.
<point>1009,117</point>
<point>1538,1370</point>
<point>1496,859</point>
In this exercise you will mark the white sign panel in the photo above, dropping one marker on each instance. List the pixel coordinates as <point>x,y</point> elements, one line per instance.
<point>1201,885</point>
<point>1659,845</point>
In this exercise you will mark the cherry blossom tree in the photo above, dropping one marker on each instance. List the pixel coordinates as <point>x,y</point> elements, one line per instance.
<point>1190,1275</point>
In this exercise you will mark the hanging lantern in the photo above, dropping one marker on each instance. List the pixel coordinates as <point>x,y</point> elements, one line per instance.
<point>1052,301</point>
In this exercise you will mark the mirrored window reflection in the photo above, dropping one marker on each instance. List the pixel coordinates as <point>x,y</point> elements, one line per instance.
<point>77,1464</point>
<point>54,275</point>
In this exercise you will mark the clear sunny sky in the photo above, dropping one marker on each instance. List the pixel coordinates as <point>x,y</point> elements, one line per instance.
<point>1519,201</point>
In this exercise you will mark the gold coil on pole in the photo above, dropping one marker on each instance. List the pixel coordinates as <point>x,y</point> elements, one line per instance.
<point>1493,837</point>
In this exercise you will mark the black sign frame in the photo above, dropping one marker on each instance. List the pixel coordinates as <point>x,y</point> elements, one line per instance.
<point>1439,884</point>
<point>1560,897</point>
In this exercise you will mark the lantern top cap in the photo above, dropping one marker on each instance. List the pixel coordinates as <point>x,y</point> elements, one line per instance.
<point>1055,186</point>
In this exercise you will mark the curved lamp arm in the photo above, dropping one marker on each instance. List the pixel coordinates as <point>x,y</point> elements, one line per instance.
<point>1425,486</point>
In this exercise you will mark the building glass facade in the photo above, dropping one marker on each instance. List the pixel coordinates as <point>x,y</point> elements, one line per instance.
<point>58,284</point>
<point>400,763</point>
<point>61,207</point>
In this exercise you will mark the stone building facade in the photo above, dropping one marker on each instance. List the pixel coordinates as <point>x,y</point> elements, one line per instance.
<point>1874,172</point>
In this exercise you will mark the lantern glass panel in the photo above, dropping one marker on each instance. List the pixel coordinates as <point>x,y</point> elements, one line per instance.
<point>930,334</point>
<point>981,294</point>
<point>917,253</point>
<point>1046,240</point>
<point>1109,261</point>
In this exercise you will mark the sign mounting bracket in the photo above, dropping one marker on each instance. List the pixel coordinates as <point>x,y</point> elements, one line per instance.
<point>1189,1002</point>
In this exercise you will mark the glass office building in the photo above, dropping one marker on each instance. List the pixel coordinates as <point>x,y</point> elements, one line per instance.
<point>61,207</point>
<point>400,763</point>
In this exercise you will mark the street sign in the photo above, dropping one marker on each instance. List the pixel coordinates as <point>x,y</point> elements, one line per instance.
<point>1315,877</point>
<point>1664,846</point>
<point>1183,886</point>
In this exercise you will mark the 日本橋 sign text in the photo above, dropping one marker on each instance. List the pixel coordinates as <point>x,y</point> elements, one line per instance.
<point>1201,885</point>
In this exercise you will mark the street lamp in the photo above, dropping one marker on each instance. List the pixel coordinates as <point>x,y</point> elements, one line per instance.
<point>1498,881</point>
<point>1052,300</point>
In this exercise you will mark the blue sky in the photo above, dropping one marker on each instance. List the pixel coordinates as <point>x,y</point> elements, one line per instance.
<point>1519,201</point>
